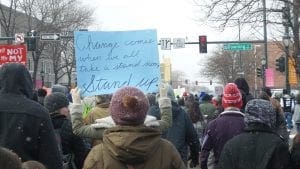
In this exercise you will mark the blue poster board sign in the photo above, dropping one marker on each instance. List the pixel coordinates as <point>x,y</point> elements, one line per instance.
<point>107,61</point>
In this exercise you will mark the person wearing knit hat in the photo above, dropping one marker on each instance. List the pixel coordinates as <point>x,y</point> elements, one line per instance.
<point>265,148</point>
<point>95,130</point>
<point>130,144</point>
<point>227,125</point>
<point>9,159</point>
<point>280,119</point>
<point>31,164</point>
<point>207,108</point>
<point>129,107</point>
<point>57,104</point>
<point>232,96</point>
<point>260,111</point>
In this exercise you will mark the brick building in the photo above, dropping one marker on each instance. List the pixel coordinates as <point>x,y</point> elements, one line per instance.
<point>275,50</point>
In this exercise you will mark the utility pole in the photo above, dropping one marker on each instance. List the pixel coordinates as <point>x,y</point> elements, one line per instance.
<point>286,42</point>
<point>240,52</point>
<point>265,65</point>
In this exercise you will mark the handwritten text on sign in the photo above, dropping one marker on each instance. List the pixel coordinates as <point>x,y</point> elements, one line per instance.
<point>107,61</point>
<point>12,53</point>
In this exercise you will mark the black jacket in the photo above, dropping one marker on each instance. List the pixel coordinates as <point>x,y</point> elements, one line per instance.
<point>183,134</point>
<point>71,144</point>
<point>25,125</point>
<point>295,156</point>
<point>258,147</point>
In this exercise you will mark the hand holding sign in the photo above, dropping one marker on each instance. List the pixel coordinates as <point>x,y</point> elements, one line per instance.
<point>76,95</point>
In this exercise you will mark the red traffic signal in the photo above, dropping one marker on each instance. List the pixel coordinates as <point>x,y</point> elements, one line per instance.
<point>203,44</point>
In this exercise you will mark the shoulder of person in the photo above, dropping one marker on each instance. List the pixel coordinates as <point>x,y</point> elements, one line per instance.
<point>94,156</point>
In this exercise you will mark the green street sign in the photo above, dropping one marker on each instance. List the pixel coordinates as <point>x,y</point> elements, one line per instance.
<point>237,46</point>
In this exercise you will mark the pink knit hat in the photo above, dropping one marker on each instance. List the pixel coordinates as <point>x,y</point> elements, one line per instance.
<point>232,96</point>
<point>129,106</point>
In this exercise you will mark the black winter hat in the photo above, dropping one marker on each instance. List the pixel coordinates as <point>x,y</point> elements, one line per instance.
<point>55,101</point>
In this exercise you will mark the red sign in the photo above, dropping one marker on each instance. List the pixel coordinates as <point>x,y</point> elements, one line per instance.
<point>269,77</point>
<point>12,53</point>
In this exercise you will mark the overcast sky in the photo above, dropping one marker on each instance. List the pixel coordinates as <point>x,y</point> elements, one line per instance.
<point>171,19</point>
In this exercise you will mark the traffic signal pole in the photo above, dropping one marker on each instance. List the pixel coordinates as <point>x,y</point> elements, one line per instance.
<point>286,43</point>
<point>265,65</point>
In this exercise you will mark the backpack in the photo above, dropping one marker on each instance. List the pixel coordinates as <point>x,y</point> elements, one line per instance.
<point>68,159</point>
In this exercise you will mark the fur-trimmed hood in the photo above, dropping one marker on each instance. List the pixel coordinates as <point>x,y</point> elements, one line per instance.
<point>108,122</point>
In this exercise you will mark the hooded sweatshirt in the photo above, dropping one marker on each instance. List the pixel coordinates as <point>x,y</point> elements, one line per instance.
<point>137,147</point>
<point>25,125</point>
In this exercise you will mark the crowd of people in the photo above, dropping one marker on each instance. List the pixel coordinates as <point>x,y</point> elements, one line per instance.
<point>133,130</point>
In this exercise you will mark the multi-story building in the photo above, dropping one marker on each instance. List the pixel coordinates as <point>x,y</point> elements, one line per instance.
<point>44,72</point>
<point>166,70</point>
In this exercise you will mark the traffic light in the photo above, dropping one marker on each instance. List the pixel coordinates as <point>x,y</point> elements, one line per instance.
<point>210,82</point>
<point>186,81</point>
<point>197,83</point>
<point>280,64</point>
<point>31,40</point>
<point>258,72</point>
<point>203,44</point>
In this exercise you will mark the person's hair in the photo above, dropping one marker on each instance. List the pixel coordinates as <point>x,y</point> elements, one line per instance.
<point>263,95</point>
<point>267,90</point>
<point>189,100</point>
<point>41,92</point>
<point>242,84</point>
<point>194,112</point>
<point>9,159</point>
<point>32,165</point>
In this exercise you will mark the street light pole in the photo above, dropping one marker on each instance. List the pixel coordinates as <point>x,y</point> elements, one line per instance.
<point>240,52</point>
<point>42,73</point>
<point>286,43</point>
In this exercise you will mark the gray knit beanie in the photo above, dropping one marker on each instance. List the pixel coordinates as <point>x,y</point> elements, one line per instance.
<point>260,111</point>
<point>55,101</point>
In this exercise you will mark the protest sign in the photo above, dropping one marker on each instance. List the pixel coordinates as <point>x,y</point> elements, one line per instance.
<point>107,61</point>
<point>12,53</point>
